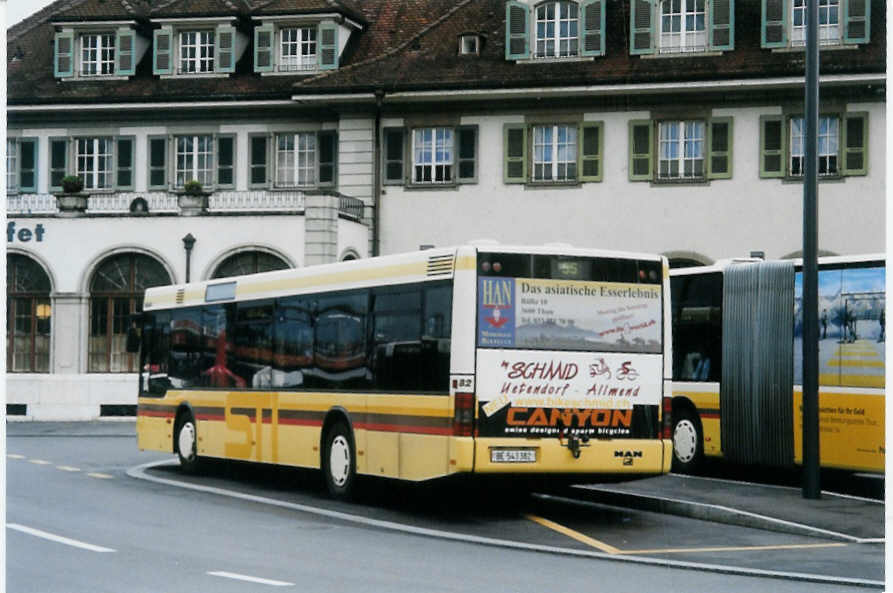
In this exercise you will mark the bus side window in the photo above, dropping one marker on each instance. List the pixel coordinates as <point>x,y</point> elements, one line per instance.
<point>397,339</point>
<point>252,342</point>
<point>438,313</point>
<point>697,327</point>
<point>185,347</point>
<point>292,341</point>
<point>340,357</point>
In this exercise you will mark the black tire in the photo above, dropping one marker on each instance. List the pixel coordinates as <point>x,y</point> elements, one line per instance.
<point>339,462</point>
<point>688,441</point>
<point>186,441</point>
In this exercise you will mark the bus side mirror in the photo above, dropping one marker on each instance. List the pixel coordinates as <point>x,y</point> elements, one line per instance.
<point>133,340</point>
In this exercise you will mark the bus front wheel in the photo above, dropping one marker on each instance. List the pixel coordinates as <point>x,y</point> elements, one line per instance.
<point>339,462</point>
<point>187,448</point>
<point>688,442</point>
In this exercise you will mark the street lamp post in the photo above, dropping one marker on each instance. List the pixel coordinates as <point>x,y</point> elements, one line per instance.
<point>188,244</point>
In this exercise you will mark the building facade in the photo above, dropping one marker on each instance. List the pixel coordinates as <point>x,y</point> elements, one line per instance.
<point>324,130</point>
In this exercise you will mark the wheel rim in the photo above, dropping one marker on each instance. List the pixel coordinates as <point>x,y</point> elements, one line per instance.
<point>339,460</point>
<point>186,441</point>
<point>685,440</point>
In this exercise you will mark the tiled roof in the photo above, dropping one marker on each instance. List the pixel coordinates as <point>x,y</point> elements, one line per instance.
<point>405,45</point>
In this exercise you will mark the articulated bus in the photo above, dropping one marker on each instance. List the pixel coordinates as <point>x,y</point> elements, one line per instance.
<point>479,359</point>
<point>738,365</point>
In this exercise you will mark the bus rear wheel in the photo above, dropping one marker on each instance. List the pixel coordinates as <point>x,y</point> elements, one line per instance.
<point>339,462</point>
<point>187,443</point>
<point>688,442</point>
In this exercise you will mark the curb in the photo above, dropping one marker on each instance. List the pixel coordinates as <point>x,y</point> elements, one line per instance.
<point>710,512</point>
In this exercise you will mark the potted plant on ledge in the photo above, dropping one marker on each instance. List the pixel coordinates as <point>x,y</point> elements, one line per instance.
<point>72,201</point>
<point>193,199</point>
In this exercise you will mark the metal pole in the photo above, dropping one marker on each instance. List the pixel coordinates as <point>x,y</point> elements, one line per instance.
<point>811,486</point>
<point>188,244</point>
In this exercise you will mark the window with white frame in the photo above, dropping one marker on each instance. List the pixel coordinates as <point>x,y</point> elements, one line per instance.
<point>194,159</point>
<point>829,22</point>
<point>196,51</point>
<point>828,148</point>
<point>555,153</point>
<point>296,159</point>
<point>683,25</point>
<point>432,155</point>
<point>12,155</point>
<point>557,30</point>
<point>97,54</point>
<point>93,162</point>
<point>681,149</point>
<point>297,49</point>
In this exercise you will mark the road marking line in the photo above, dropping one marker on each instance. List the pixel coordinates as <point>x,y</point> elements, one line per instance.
<point>15,456</point>
<point>100,476</point>
<point>574,535</point>
<point>242,577</point>
<point>68,468</point>
<point>40,462</point>
<point>57,538</point>
<point>734,548</point>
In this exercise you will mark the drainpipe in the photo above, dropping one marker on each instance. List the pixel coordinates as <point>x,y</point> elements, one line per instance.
<point>376,175</point>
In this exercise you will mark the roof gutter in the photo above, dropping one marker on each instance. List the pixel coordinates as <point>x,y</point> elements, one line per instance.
<point>789,82</point>
<point>144,106</point>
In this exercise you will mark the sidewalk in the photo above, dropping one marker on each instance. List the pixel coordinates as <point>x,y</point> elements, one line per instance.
<point>117,427</point>
<point>775,508</point>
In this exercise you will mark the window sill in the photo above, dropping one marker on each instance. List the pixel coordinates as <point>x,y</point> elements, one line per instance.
<point>672,182</point>
<point>431,186</point>
<point>553,184</point>
<point>790,179</point>
<point>291,73</point>
<point>194,75</point>
<point>658,55</point>
<point>793,49</point>
<point>556,60</point>
<point>93,78</point>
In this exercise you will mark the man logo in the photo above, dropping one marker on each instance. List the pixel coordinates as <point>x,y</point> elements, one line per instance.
<point>627,456</point>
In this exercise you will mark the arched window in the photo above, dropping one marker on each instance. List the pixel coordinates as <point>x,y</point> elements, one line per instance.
<point>116,292</point>
<point>249,262</point>
<point>28,316</point>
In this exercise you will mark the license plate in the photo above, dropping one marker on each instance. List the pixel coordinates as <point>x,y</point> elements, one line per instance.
<point>512,455</point>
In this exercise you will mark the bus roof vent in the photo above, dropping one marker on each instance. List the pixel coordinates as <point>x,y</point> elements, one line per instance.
<point>440,265</point>
<point>181,295</point>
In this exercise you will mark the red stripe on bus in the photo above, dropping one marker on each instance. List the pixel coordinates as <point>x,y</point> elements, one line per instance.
<point>211,417</point>
<point>155,414</point>
<point>709,414</point>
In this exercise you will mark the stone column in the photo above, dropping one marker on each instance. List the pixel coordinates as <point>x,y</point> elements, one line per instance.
<point>320,229</point>
<point>69,324</point>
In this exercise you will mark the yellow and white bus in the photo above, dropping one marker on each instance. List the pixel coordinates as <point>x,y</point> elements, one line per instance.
<point>476,359</point>
<point>737,340</point>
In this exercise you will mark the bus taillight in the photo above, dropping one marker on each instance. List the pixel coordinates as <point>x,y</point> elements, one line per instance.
<point>463,415</point>
<point>667,425</point>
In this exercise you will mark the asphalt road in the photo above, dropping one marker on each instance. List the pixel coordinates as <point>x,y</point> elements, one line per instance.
<point>127,534</point>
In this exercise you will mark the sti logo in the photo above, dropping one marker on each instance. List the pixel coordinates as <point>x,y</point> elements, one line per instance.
<point>496,294</point>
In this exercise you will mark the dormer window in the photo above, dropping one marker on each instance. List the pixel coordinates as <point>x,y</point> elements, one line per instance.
<point>297,49</point>
<point>191,48</point>
<point>469,45</point>
<point>292,45</point>
<point>96,50</point>
<point>681,26</point>
<point>554,30</point>
<point>841,22</point>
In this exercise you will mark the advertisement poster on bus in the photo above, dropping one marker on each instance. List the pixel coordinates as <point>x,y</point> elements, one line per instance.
<point>534,392</point>
<point>852,327</point>
<point>569,315</point>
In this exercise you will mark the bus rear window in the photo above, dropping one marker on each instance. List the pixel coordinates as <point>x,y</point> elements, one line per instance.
<point>541,302</point>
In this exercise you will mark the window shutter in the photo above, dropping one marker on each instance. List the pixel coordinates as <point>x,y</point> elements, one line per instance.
<point>225,157</point>
<point>328,46</point>
<point>855,144</point>
<point>328,153</point>
<point>641,26</point>
<point>124,163</point>
<point>28,165</point>
<point>224,52</point>
<point>263,48</point>
<point>515,138</point>
<point>593,28</point>
<point>641,150</point>
<point>775,23</point>
<point>772,146</point>
<point>517,29</point>
<point>58,162</point>
<point>393,155</point>
<point>258,161</point>
<point>719,160</point>
<point>63,64</point>
<point>467,154</point>
<point>158,163</point>
<point>124,65</point>
<point>162,54</point>
<point>590,158</point>
<point>722,24</point>
<point>857,21</point>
